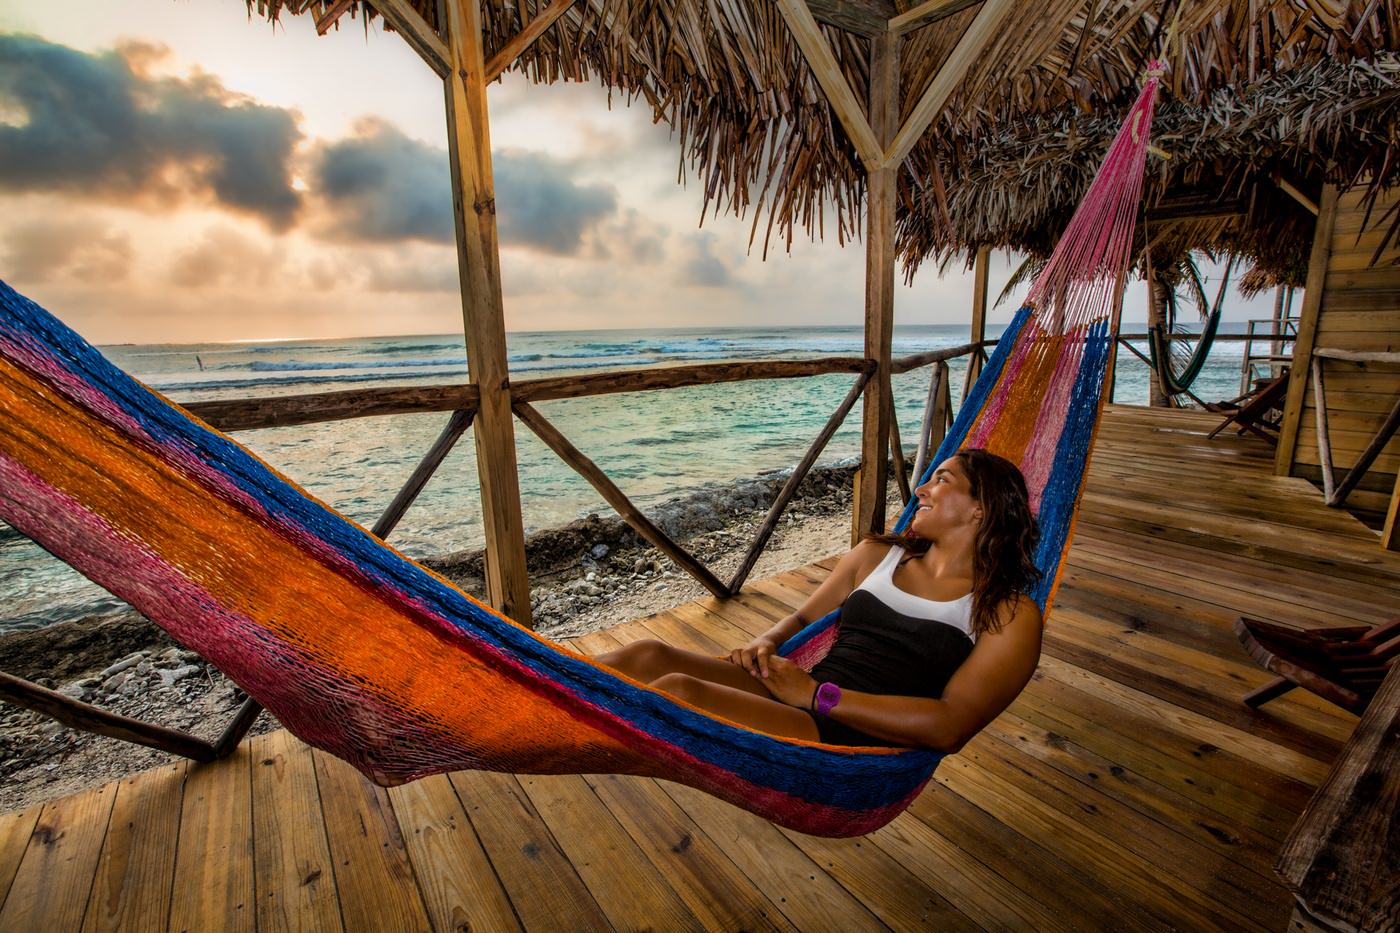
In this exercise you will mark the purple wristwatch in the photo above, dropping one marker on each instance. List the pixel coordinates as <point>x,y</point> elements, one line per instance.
<point>826,698</point>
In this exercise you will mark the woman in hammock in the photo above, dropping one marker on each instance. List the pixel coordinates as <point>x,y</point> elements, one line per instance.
<point>937,635</point>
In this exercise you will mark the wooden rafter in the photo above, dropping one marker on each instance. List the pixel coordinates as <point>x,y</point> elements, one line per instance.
<point>978,36</point>
<point>416,32</point>
<point>833,82</point>
<point>509,52</point>
<point>331,15</point>
<point>862,17</point>
<point>930,11</point>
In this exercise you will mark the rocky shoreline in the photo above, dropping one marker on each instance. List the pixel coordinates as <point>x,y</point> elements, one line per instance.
<point>588,575</point>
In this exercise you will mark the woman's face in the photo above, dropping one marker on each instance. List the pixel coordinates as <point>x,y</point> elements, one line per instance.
<point>945,502</point>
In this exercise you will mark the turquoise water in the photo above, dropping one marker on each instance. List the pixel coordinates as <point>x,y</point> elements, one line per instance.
<point>654,445</point>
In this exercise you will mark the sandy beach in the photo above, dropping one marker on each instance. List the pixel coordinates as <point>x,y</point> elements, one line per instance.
<point>587,576</point>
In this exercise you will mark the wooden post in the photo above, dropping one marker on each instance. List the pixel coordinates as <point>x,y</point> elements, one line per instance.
<point>1276,345</point>
<point>980,270</point>
<point>1340,860</point>
<point>881,185</point>
<point>1156,317</point>
<point>1390,534</point>
<point>1307,332</point>
<point>479,262</point>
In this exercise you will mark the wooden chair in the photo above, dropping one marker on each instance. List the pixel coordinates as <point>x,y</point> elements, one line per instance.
<point>1342,665</point>
<point>1259,411</point>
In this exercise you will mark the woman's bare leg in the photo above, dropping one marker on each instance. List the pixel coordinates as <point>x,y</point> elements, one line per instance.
<point>713,684</point>
<point>757,712</point>
<point>650,660</point>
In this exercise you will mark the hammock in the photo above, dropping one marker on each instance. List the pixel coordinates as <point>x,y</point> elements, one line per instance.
<point>1176,365</point>
<point>363,653</point>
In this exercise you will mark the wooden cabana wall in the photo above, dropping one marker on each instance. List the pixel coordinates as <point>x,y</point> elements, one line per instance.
<point>1349,335</point>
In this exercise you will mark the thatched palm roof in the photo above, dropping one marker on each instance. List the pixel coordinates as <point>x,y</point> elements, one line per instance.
<point>1258,90</point>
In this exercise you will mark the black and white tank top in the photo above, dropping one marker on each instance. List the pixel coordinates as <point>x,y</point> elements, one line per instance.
<point>893,642</point>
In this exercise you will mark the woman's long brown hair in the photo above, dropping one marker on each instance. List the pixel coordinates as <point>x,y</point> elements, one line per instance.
<point>1003,551</point>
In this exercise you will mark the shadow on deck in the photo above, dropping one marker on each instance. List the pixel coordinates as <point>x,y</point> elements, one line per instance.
<point>1127,784</point>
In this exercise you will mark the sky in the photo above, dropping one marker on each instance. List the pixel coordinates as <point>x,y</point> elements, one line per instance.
<point>174,171</point>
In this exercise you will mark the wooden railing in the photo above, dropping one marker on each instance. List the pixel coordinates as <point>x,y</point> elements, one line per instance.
<point>461,400</point>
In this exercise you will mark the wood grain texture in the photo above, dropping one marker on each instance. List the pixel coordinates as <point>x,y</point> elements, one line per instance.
<point>1343,857</point>
<point>458,885</point>
<point>132,888</point>
<point>55,877</point>
<point>293,874</point>
<point>213,884</point>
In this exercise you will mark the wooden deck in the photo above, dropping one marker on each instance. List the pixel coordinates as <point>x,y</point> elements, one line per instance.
<point>1126,787</point>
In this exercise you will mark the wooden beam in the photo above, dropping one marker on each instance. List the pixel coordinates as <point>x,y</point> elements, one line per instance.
<point>919,360</point>
<point>483,311</point>
<point>247,414</point>
<point>979,35</point>
<point>775,511</point>
<point>1324,435</point>
<point>331,15</point>
<point>981,271</point>
<point>1293,192</point>
<point>94,719</point>
<point>616,498</point>
<point>1390,533</point>
<point>1307,331</point>
<point>1357,356</point>
<point>1341,860</point>
<point>901,477</point>
<point>868,18</point>
<point>1368,456</point>
<point>868,514</point>
<point>509,52</point>
<point>456,426</point>
<point>930,11</point>
<point>833,83</point>
<point>675,377</point>
<point>1195,207</point>
<point>934,421</point>
<point>417,33</point>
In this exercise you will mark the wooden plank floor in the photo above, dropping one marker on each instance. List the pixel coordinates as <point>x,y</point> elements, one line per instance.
<point>1126,786</point>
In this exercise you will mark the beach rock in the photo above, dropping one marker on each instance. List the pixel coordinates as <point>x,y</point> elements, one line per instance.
<point>172,677</point>
<point>80,690</point>
<point>116,681</point>
<point>125,663</point>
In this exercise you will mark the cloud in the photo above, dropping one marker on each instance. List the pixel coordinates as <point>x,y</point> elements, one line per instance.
<point>382,186</point>
<point>403,273</point>
<point>700,266</point>
<point>539,205</point>
<point>45,250</point>
<point>226,257</point>
<point>101,125</point>
<point>631,237</point>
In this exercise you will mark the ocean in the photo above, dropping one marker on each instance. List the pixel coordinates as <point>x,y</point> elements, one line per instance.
<point>655,446</point>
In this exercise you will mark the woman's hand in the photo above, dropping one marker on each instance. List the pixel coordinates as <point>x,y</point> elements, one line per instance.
<point>789,683</point>
<point>754,656</point>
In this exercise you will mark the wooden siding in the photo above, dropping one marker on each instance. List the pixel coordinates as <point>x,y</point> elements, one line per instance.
<point>1359,309</point>
<point>1128,787</point>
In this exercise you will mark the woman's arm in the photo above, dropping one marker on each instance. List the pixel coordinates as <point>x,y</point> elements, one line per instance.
<point>849,571</point>
<point>994,674</point>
